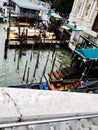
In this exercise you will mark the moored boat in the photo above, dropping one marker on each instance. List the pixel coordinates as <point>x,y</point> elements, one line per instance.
<point>82,73</point>
<point>83,69</point>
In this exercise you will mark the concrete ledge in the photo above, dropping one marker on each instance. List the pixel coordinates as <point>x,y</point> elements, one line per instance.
<point>18,105</point>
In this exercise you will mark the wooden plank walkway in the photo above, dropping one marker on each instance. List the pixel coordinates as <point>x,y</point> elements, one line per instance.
<point>32,41</point>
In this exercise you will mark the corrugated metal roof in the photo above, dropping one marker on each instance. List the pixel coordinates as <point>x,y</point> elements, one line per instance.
<point>29,5</point>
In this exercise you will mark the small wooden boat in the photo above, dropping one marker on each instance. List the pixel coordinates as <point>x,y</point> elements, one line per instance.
<point>88,87</point>
<point>62,85</point>
<point>84,66</point>
<point>42,86</point>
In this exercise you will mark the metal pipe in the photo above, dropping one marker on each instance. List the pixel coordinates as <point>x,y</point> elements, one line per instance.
<point>43,121</point>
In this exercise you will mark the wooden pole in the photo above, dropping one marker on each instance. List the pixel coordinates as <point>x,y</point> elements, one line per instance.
<point>27,75</point>
<point>31,56</point>
<point>21,46</point>
<point>15,56</point>
<point>6,48</point>
<point>31,53</point>
<point>18,63</point>
<point>45,78</point>
<point>25,71</point>
<point>37,62</point>
<point>26,35</point>
<point>83,74</point>
<point>45,65</point>
<point>8,33</point>
<point>89,67</point>
<point>53,52</point>
<point>60,68</point>
<point>53,63</point>
<point>38,59</point>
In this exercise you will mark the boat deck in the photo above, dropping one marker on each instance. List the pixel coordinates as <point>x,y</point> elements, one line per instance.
<point>64,73</point>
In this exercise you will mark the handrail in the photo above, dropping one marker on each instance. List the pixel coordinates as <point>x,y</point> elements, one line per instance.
<point>48,120</point>
<point>26,107</point>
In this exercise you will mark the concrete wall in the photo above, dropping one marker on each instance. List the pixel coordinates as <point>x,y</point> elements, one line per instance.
<point>25,105</point>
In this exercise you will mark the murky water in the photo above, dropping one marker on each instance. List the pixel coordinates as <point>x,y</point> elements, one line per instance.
<point>10,74</point>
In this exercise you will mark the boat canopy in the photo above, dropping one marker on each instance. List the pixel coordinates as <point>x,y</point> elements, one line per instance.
<point>89,40</point>
<point>30,5</point>
<point>73,27</point>
<point>65,27</point>
<point>88,54</point>
<point>56,15</point>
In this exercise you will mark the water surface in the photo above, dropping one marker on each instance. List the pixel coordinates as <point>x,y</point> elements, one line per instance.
<point>10,74</point>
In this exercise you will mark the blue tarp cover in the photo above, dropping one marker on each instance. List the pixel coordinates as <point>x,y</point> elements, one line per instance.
<point>91,53</point>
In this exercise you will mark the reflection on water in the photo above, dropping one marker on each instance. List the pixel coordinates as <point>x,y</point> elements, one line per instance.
<point>10,75</point>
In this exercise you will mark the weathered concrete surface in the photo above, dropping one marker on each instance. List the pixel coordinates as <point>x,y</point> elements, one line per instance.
<point>17,104</point>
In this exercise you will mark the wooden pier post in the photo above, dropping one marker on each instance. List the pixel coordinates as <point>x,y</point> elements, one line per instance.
<point>27,75</point>
<point>36,65</point>
<point>31,56</point>
<point>31,52</point>
<point>53,63</point>
<point>53,51</point>
<point>34,71</point>
<point>37,59</point>
<point>43,73</point>
<point>15,56</point>
<point>18,63</point>
<point>21,46</point>
<point>6,48</point>
<point>26,35</point>
<point>25,71</point>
